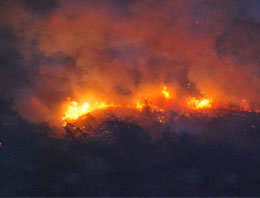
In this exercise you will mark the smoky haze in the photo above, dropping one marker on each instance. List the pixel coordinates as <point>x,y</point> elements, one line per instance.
<point>52,50</point>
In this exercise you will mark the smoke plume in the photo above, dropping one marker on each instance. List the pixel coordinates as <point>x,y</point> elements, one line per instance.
<point>117,51</point>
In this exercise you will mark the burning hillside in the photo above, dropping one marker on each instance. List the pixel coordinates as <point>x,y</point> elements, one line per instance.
<point>86,120</point>
<point>195,155</point>
<point>159,108</point>
<point>129,98</point>
<point>175,55</point>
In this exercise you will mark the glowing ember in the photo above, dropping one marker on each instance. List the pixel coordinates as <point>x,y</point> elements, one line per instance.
<point>199,103</point>
<point>166,93</point>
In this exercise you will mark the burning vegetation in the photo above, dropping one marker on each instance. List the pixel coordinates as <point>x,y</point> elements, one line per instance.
<point>160,106</point>
<point>162,94</point>
<point>193,155</point>
<point>199,104</point>
<point>185,61</point>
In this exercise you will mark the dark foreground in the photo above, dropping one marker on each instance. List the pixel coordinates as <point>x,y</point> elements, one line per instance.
<point>222,160</point>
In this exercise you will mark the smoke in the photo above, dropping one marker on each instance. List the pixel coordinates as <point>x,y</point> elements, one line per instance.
<point>114,50</point>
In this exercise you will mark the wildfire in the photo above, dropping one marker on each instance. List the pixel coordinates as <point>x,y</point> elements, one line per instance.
<point>199,103</point>
<point>139,105</point>
<point>166,93</point>
<point>75,110</point>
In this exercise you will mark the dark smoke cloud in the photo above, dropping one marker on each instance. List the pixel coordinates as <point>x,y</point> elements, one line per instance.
<point>51,50</point>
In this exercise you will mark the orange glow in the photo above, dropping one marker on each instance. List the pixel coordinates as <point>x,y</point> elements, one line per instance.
<point>75,110</point>
<point>166,93</point>
<point>149,99</point>
<point>139,105</point>
<point>199,103</point>
<point>127,61</point>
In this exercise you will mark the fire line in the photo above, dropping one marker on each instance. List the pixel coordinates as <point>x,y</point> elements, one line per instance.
<point>74,110</point>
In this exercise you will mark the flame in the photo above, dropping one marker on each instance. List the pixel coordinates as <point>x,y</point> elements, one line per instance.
<point>75,110</point>
<point>199,103</point>
<point>166,93</point>
<point>139,105</point>
<point>153,102</point>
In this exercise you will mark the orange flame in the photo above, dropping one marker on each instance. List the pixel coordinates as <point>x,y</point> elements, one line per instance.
<point>75,110</point>
<point>166,93</point>
<point>139,105</point>
<point>199,103</point>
